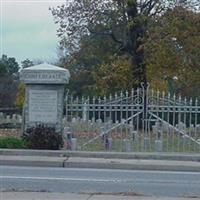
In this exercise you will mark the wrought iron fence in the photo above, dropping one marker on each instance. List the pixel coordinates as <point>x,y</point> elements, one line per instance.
<point>139,120</point>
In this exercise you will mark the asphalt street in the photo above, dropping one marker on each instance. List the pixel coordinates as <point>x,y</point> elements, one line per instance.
<point>72,180</point>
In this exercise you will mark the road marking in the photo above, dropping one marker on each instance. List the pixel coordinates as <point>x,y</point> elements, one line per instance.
<point>59,178</point>
<point>133,171</point>
<point>101,170</point>
<point>133,181</point>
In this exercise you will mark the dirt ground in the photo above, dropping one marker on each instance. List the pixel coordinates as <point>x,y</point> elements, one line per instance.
<point>10,133</point>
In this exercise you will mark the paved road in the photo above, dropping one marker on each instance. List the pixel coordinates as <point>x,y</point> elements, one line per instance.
<point>158,183</point>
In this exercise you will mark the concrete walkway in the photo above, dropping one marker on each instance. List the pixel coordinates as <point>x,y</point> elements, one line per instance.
<point>69,196</point>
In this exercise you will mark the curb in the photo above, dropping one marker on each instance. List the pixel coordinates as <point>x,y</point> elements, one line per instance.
<point>166,165</point>
<point>108,155</point>
<point>32,161</point>
<point>85,196</point>
<point>132,167</point>
<point>100,163</point>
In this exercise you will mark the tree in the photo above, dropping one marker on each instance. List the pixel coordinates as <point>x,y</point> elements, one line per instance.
<point>27,63</point>
<point>94,51</point>
<point>8,81</point>
<point>173,51</point>
<point>19,102</point>
<point>11,64</point>
<point>114,75</point>
<point>3,69</point>
<point>8,91</point>
<point>126,22</point>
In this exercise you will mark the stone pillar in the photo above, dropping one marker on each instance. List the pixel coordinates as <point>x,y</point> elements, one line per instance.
<point>44,97</point>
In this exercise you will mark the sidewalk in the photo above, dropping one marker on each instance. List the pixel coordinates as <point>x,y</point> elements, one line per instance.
<point>69,196</point>
<point>100,163</point>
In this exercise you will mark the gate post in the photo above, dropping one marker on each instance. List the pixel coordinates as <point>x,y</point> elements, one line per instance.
<point>145,87</point>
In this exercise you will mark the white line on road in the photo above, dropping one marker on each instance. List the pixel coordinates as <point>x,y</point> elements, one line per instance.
<point>59,178</point>
<point>158,181</point>
<point>102,170</point>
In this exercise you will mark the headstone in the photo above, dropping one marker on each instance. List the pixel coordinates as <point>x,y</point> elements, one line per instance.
<point>44,95</point>
<point>146,143</point>
<point>8,119</point>
<point>158,145</point>
<point>1,115</point>
<point>123,121</point>
<point>110,143</point>
<point>181,126</point>
<point>93,119</point>
<point>19,118</point>
<point>158,124</point>
<point>166,128</point>
<point>155,129</point>
<point>171,130</point>
<point>197,128</point>
<point>99,121</point>
<point>74,120</point>
<point>159,135</point>
<point>14,116</point>
<point>73,144</point>
<point>191,129</point>
<point>184,139</point>
<point>135,136</point>
<point>126,146</point>
<point>67,135</point>
<point>198,141</point>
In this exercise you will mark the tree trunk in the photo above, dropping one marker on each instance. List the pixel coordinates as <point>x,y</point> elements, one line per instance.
<point>136,45</point>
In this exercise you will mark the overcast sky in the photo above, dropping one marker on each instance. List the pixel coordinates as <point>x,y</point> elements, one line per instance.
<point>28,29</point>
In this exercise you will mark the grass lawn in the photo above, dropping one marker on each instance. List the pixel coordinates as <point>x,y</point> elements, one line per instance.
<point>170,143</point>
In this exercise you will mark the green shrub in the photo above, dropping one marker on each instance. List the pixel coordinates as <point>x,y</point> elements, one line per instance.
<point>43,137</point>
<point>13,143</point>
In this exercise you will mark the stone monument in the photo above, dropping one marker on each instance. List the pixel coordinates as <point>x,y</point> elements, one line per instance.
<point>44,96</point>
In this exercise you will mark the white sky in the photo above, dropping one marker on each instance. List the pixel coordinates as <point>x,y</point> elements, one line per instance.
<point>28,29</point>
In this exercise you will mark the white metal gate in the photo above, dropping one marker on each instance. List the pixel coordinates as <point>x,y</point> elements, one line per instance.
<point>140,120</point>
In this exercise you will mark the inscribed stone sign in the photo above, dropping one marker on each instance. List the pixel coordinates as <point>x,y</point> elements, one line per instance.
<point>43,106</point>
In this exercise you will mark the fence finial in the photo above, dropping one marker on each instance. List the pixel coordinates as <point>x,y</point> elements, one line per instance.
<point>169,95</point>
<point>163,94</point>
<point>196,102</point>
<point>132,92</point>
<point>121,94</point>
<point>191,101</point>
<point>152,92</point>
<point>158,94</point>
<point>179,98</point>
<point>116,95</point>
<point>110,97</point>
<point>174,96</point>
